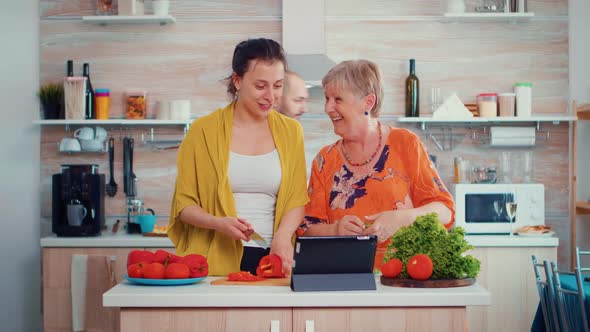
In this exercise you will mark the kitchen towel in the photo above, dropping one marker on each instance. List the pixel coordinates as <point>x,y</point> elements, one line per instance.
<point>78,290</point>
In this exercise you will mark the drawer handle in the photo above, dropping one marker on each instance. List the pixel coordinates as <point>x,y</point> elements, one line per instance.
<point>309,326</point>
<point>275,326</point>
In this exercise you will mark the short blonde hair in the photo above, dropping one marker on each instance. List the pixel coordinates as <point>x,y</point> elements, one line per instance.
<point>361,77</point>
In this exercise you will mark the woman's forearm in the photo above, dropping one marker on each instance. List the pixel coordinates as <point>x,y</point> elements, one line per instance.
<point>321,230</point>
<point>290,222</point>
<point>444,213</point>
<point>195,215</point>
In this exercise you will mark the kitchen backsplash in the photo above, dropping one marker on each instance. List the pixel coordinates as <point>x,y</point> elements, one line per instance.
<point>188,60</point>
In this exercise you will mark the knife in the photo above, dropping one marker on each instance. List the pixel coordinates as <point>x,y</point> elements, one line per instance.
<point>259,240</point>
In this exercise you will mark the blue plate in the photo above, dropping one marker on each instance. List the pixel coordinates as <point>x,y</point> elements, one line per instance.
<point>164,282</point>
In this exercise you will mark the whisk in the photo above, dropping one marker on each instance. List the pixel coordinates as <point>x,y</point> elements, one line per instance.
<point>111,187</point>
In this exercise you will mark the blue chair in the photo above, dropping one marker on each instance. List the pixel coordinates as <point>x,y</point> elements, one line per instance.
<point>547,295</point>
<point>571,307</point>
<point>579,254</point>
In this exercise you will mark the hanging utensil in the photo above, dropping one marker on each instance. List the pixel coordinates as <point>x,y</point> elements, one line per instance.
<point>126,167</point>
<point>111,187</point>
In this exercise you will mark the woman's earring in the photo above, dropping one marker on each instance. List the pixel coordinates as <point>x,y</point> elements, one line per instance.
<point>366,113</point>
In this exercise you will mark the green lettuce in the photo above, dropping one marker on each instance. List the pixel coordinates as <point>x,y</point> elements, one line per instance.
<point>446,249</point>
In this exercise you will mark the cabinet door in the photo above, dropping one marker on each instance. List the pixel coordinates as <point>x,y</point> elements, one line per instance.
<point>379,319</point>
<point>57,296</point>
<point>507,273</point>
<point>206,319</point>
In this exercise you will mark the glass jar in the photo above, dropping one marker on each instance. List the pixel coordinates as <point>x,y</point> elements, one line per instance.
<point>487,104</point>
<point>136,106</point>
<point>102,98</point>
<point>506,103</point>
<point>104,7</point>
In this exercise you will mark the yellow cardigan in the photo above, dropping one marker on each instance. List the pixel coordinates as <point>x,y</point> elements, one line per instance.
<point>203,181</point>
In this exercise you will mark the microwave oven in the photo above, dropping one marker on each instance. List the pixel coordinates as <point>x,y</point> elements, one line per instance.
<point>482,208</point>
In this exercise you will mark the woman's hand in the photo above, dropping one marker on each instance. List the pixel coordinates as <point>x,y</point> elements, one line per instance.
<point>386,223</point>
<point>282,246</point>
<point>236,228</point>
<point>350,225</point>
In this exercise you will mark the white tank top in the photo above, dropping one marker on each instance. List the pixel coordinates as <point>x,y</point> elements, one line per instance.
<point>255,182</point>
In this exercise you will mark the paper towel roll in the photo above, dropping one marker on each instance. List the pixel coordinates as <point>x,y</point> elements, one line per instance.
<point>512,136</point>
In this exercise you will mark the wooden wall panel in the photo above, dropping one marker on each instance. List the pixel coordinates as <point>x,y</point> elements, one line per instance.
<point>188,60</point>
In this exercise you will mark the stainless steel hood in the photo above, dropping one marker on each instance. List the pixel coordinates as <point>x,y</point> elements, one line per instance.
<point>304,39</point>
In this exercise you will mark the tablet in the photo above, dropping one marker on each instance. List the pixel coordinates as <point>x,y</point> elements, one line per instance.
<point>334,254</point>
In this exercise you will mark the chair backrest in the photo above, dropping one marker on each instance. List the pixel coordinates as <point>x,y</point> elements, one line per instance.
<point>547,295</point>
<point>571,307</point>
<point>579,257</point>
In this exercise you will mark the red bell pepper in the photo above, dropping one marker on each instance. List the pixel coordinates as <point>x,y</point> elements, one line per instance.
<point>270,266</point>
<point>139,256</point>
<point>197,265</point>
<point>243,276</point>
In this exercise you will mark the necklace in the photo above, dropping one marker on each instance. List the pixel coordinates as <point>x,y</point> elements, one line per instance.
<point>362,163</point>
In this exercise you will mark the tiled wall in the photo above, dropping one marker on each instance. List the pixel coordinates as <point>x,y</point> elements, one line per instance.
<point>188,60</point>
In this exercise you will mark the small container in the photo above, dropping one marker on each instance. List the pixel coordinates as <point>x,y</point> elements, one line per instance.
<point>136,106</point>
<point>102,98</point>
<point>524,98</point>
<point>487,104</point>
<point>104,7</point>
<point>506,103</point>
<point>457,165</point>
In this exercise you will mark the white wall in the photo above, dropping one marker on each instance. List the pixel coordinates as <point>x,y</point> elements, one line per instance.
<point>579,11</point>
<point>20,279</point>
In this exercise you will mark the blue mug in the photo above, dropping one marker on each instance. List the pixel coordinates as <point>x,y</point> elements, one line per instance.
<point>147,221</point>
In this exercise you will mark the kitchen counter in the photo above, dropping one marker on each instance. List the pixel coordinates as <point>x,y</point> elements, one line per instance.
<point>123,240</point>
<point>207,307</point>
<point>203,294</point>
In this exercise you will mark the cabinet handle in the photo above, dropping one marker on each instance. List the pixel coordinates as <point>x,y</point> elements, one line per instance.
<point>309,326</point>
<point>275,326</point>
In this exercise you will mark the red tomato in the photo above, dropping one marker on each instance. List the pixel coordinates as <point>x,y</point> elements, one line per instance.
<point>177,271</point>
<point>197,265</point>
<point>135,270</point>
<point>139,256</point>
<point>243,276</point>
<point>392,268</point>
<point>154,271</point>
<point>419,267</point>
<point>270,266</point>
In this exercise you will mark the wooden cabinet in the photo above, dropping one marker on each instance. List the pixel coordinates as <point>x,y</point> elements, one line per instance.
<point>507,273</point>
<point>578,207</point>
<point>207,319</point>
<point>57,296</point>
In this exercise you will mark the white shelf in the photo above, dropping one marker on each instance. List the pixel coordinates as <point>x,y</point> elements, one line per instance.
<point>487,17</point>
<point>511,119</point>
<point>117,19</point>
<point>122,122</point>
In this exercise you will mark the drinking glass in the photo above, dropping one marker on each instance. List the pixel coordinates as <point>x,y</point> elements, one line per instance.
<point>505,166</point>
<point>511,206</point>
<point>435,98</point>
<point>499,208</point>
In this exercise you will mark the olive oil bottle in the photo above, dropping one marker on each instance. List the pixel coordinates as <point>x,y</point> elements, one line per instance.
<point>412,92</point>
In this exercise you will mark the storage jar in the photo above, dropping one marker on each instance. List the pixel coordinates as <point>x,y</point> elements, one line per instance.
<point>136,106</point>
<point>506,103</point>
<point>102,98</point>
<point>524,98</point>
<point>487,104</point>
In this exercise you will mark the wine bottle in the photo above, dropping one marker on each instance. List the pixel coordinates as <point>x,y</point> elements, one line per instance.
<point>70,68</point>
<point>412,92</point>
<point>89,94</point>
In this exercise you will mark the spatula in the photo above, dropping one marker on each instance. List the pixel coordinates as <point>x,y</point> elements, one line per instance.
<point>111,187</point>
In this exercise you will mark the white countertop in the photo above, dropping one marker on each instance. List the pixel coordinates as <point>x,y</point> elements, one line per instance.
<point>204,294</point>
<point>124,240</point>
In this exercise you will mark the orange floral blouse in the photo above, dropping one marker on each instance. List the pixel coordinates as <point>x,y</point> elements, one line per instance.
<point>402,178</point>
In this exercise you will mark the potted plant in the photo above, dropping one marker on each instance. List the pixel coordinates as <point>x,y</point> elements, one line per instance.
<point>51,96</point>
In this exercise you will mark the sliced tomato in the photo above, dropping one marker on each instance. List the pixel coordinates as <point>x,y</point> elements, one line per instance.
<point>270,266</point>
<point>243,276</point>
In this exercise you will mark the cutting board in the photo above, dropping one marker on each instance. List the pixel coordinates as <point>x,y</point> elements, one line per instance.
<point>265,282</point>
<point>433,283</point>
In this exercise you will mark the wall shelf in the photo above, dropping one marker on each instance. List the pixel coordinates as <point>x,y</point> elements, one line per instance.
<point>508,119</point>
<point>115,122</point>
<point>119,19</point>
<point>487,17</point>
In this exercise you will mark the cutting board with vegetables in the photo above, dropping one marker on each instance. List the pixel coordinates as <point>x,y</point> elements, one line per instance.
<point>431,283</point>
<point>265,282</point>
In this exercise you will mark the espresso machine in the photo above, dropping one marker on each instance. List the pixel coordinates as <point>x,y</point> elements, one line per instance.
<point>78,200</point>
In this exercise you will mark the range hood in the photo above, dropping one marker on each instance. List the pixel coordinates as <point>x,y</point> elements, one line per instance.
<point>304,40</point>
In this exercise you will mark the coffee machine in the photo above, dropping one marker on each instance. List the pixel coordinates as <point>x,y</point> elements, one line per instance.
<point>78,201</point>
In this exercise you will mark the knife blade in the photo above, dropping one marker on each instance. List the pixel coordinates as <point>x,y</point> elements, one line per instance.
<point>259,240</point>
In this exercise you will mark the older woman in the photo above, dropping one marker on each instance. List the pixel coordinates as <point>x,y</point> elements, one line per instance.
<point>376,178</point>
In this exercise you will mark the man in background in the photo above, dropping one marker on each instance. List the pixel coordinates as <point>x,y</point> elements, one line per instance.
<point>294,100</point>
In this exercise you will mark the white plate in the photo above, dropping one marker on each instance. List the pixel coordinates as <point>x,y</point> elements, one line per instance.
<point>548,234</point>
